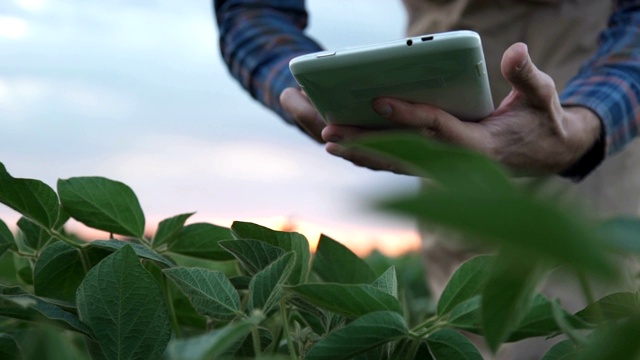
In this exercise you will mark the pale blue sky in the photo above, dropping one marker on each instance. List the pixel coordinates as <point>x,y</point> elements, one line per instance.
<point>136,91</point>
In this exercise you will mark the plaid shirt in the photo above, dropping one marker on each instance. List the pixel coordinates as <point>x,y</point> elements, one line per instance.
<point>259,37</point>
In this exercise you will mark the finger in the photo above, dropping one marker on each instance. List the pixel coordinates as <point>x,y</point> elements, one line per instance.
<point>303,112</point>
<point>338,133</point>
<point>431,121</point>
<point>533,85</point>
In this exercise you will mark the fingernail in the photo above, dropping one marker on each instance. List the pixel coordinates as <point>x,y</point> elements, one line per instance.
<point>524,61</point>
<point>383,108</point>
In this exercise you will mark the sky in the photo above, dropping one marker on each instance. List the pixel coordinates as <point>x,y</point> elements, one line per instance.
<point>137,92</point>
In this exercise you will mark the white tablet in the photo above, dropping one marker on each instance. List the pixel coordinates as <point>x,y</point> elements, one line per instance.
<point>446,70</point>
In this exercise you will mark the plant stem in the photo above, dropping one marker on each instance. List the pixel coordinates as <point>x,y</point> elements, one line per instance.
<point>425,323</point>
<point>255,335</point>
<point>64,239</point>
<point>170,308</point>
<point>588,294</point>
<point>285,325</point>
<point>84,258</point>
<point>27,255</point>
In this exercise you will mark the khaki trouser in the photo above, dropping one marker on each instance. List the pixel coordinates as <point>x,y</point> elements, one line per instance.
<point>561,35</point>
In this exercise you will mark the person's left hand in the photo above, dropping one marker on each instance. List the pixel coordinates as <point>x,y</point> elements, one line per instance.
<point>530,131</point>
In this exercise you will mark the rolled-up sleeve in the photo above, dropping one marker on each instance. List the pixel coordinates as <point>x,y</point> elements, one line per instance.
<point>609,85</point>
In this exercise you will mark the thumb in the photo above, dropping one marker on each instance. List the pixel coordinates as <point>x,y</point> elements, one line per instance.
<point>531,84</point>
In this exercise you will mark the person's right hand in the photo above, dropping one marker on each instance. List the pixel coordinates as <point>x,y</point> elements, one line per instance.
<point>296,103</point>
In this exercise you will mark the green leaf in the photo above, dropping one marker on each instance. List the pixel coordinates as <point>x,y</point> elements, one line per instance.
<point>540,228</point>
<point>253,255</point>
<point>451,345</point>
<point>210,292</point>
<point>102,204</point>
<point>564,350</point>
<point>59,270</point>
<point>17,303</point>
<point>31,198</point>
<point>388,282</point>
<point>411,349</point>
<point>621,234</point>
<point>507,296</point>
<point>542,320</point>
<point>466,315</point>
<point>351,300</point>
<point>265,289</point>
<point>288,241</point>
<point>201,240</point>
<point>466,282</point>
<point>612,307</point>
<point>168,228</point>
<point>209,345</point>
<point>451,166</point>
<point>333,262</point>
<point>125,308</point>
<point>6,238</point>
<point>9,349</point>
<point>33,235</point>
<point>367,332</point>
<point>539,320</point>
<point>617,342</point>
<point>141,250</point>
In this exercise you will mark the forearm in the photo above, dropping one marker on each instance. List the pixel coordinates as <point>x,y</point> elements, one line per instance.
<point>257,40</point>
<point>609,86</point>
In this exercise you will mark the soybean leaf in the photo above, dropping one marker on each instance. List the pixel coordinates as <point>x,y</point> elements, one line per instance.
<point>351,300</point>
<point>9,349</point>
<point>466,315</point>
<point>333,262</point>
<point>201,240</point>
<point>564,350</point>
<point>124,307</point>
<point>209,345</point>
<point>141,250</point>
<point>538,321</point>
<point>253,255</point>
<point>621,234</point>
<point>540,228</point>
<point>17,303</point>
<point>450,166</point>
<point>367,332</point>
<point>6,238</point>
<point>102,204</point>
<point>543,320</point>
<point>451,345</point>
<point>507,295</point>
<point>265,289</point>
<point>33,235</point>
<point>168,228</point>
<point>31,198</point>
<point>59,270</point>
<point>466,282</point>
<point>559,315</point>
<point>614,342</point>
<point>288,241</point>
<point>388,282</point>
<point>411,349</point>
<point>612,307</point>
<point>210,292</point>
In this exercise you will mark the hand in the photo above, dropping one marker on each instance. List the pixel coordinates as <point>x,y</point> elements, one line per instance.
<point>304,113</point>
<point>530,131</point>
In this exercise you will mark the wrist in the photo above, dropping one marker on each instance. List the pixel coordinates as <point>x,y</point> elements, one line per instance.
<point>584,130</point>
